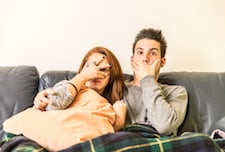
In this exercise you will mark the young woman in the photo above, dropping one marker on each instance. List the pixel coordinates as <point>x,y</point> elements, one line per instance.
<point>94,106</point>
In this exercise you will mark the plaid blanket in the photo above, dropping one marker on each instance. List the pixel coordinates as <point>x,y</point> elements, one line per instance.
<point>19,144</point>
<point>13,143</point>
<point>126,141</point>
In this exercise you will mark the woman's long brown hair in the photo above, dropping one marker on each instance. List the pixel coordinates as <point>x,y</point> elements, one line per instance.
<point>116,87</point>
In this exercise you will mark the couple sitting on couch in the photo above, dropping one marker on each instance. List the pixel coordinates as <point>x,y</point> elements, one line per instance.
<point>90,114</point>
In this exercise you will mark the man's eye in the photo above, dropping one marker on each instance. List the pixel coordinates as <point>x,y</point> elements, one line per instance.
<point>140,52</point>
<point>154,53</point>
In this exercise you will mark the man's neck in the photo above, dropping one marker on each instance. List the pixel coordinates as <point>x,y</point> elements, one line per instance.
<point>135,82</point>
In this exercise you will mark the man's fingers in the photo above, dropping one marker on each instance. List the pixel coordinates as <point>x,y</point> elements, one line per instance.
<point>41,100</point>
<point>156,63</point>
<point>49,92</point>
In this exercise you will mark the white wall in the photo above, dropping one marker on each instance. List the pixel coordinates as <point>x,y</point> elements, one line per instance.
<point>55,34</point>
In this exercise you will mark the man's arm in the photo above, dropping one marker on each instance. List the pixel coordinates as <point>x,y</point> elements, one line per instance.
<point>166,106</point>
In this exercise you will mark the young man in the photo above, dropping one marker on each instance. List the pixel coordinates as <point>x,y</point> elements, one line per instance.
<point>148,102</point>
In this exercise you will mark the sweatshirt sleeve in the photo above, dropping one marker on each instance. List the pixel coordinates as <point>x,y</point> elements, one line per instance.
<point>62,97</point>
<point>166,108</point>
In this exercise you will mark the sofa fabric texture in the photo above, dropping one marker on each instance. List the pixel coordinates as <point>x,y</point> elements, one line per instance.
<point>206,93</point>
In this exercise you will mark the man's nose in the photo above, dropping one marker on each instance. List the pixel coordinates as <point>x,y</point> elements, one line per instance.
<point>146,58</point>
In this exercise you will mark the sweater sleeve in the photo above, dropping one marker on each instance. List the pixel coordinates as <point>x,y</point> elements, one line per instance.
<point>62,97</point>
<point>166,108</point>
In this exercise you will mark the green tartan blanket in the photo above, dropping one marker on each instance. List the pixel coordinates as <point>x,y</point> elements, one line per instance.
<point>132,142</point>
<point>125,141</point>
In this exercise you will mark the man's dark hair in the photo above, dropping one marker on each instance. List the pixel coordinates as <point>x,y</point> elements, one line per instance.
<point>152,34</point>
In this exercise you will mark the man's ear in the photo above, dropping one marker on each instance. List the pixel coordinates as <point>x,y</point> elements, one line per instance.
<point>163,61</point>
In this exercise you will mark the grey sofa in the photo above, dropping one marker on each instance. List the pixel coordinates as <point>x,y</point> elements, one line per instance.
<point>206,90</point>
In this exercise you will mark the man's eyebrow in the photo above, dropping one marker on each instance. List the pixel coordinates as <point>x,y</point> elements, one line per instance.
<point>139,48</point>
<point>152,49</point>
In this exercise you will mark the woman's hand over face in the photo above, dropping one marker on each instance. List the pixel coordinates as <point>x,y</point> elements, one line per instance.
<point>96,69</point>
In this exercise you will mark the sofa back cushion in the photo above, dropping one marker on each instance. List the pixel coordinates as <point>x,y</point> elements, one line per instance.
<point>19,85</point>
<point>50,78</point>
<point>206,93</point>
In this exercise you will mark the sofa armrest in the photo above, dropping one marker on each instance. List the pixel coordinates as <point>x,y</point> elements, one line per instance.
<point>19,85</point>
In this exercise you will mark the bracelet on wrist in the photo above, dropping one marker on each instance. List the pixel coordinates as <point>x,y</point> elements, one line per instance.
<point>74,86</point>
